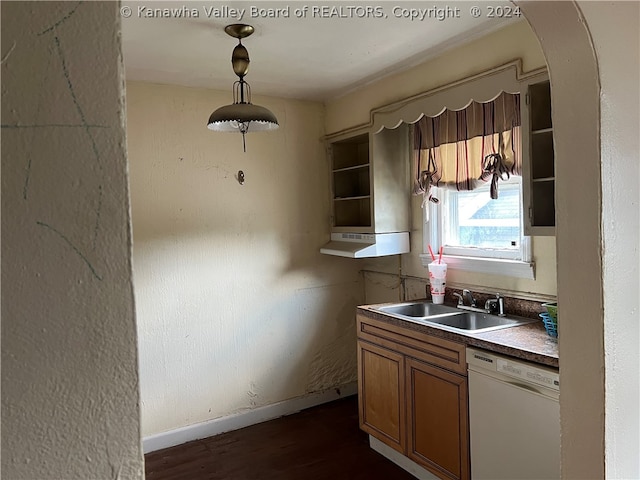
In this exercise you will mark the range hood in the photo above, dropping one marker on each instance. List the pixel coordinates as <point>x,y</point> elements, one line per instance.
<point>364,245</point>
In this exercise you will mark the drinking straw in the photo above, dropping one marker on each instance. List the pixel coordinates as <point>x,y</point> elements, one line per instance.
<point>433,257</point>
<point>440,256</point>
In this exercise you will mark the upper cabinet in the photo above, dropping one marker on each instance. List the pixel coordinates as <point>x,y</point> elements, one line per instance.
<point>538,158</point>
<point>370,182</point>
<point>351,182</point>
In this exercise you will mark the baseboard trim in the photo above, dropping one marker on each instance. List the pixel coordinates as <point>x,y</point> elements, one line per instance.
<point>244,419</point>
<point>400,460</point>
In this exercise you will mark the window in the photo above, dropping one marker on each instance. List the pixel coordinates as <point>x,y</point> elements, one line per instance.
<point>472,224</point>
<point>460,160</point>
<point>478,233</point>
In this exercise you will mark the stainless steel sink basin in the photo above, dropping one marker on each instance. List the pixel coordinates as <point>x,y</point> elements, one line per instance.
<point>419,309</point>
<point>476,321</point>
<point>451,318</point>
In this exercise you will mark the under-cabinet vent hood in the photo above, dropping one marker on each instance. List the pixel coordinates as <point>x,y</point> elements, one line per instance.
<point>363,245</point>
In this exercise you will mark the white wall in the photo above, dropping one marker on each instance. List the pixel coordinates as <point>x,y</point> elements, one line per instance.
<point>498,48</point>
<point>575,111</point>
<point>516,41</point>
<point>620,156</point>
<point>69,367</point>
<point>593,58</point>
<point>236,307</point>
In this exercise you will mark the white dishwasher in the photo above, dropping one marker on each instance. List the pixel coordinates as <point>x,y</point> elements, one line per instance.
<point>514,418</point>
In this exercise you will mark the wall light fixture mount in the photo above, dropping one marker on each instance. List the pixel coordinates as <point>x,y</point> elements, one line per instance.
<point>241,116</point>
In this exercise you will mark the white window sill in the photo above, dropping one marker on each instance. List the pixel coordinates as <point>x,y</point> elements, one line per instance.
<point>494,266</point>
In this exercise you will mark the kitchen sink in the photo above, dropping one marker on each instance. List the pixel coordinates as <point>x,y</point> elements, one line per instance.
<point>419,309</point>
<point>451,318</point>
<point>476,321</point>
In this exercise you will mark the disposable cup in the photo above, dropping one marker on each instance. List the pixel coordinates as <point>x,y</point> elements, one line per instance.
<point>437,281</point>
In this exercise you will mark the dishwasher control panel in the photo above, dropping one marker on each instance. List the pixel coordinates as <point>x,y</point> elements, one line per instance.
<point>511,367</point>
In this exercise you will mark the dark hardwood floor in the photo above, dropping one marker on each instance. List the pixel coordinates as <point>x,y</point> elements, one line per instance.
<point>320,443</point>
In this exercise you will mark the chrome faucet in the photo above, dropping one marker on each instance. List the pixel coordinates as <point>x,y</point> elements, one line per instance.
<point>466,295</point>
<point>460,299</point>
<point>468,298</point>
<point>495,305</point>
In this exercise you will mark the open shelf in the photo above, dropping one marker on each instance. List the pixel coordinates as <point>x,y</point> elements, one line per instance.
<point>540,98</point>
<point>352,212</point>
<point>541,160</point>
<point>544,213</point>
<point>351,182</point>
<point>352,152</point>
<point>542,152</point>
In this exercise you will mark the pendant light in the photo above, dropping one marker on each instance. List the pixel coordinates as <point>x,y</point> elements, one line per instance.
<point>242,115</point>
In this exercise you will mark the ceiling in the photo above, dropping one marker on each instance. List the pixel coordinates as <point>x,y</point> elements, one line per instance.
<point>333,49</point>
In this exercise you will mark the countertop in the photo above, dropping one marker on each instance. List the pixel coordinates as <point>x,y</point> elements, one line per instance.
<point>528,342</point>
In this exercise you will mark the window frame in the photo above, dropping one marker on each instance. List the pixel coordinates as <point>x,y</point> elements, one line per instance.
<point>491,261</point>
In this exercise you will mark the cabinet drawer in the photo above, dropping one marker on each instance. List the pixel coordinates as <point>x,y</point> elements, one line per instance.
<point>422,346</point>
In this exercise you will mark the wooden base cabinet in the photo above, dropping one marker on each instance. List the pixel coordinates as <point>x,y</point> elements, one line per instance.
<point>381,402</point>
<point>413,396</point>
<point>437,411</point>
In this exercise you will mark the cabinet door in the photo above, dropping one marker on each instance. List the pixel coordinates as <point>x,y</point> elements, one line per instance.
<point>437,411</point>
<point>381,394</point>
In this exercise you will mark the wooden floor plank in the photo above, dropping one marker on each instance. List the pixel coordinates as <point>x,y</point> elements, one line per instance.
<point>320,443</point>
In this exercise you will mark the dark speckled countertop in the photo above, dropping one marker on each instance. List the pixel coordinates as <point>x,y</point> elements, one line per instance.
<point>527,342</point>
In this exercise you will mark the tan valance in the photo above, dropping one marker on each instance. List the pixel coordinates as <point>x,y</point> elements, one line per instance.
<point>465,148</point>
<point>476,120</point>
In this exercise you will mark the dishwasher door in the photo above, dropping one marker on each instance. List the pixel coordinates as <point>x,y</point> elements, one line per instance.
<point>514,425</point>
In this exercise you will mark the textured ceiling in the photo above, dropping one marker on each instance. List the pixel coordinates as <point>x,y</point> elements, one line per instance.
<point>299,49</point>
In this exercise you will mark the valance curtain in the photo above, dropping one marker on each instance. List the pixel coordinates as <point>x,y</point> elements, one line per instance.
<point>464,149</point>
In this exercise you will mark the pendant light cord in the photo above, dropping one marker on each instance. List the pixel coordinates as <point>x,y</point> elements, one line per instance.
<point>244,128</point>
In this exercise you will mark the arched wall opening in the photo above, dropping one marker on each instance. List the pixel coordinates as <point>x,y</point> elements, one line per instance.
<point>595,115</point>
